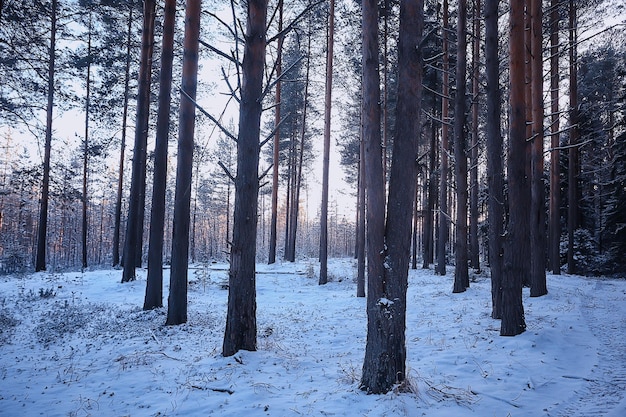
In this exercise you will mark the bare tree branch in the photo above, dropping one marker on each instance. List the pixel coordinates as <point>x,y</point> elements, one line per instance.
<point>207,114</point>
<point>226,170</point>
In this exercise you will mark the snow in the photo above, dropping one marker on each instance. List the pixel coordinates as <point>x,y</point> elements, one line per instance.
<point>87,348</point>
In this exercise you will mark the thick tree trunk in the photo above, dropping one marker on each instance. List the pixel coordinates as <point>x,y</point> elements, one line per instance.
<point>461,275</point>
<point>385,352</point>
<point>495,179</point>
<point>326,155</point>
<point>375,211</point>
<point>555,167</point>
<point>474,248</point>
<point>512,308</point>
<point>538,211</point>
<point>132,244</point>
<point>241,316</point>
<point>154,285</point>
<point>120,180</point>
<point>42,231</point>
<point>177,301</point>
<point>444,216</point>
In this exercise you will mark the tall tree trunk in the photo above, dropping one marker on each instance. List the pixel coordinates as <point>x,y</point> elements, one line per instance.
<point>360,246</point>
<point>572,166</point>
<point>474,254</point>
<point>429,220</point>
<point>42,231</point>
<point>555,167</point>
<point>326,158</point>
<point>524,243</point>
<point>495,179</point>
<point>513,269</point>
<point>241,316</point>
<point>538,210</point>
<point>276,150</point>
<point>461,275</point>
<point>444,217</point>
<point>85,199</point>
<point>120,179</point>
<point>385,352</point>
<point>375,210</point>
<point>177,301</point>
<point>154,284</point>
<point>133,244</point>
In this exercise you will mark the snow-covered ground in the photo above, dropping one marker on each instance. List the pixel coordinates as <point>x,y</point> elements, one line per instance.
<point>77,344</point>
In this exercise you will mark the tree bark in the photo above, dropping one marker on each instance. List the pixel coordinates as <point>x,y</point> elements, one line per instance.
<point>42,231</point>
<point>538,211</point>
<point>85,202</point>
<point>461,275</point>
<point>276,150</point>
<point>572,166</point>
<point>120,180</point>
<point>495,179</point>
<point>474,248</point>
<point>555,167</point>
<point>241,315</point>
<point>154,284</point>
<point>385,353</point>
<point>513,322</point>
<point>326,155</point>
<point>445,148</point>
<point>429,220</point>
<point>360,244</point>
<point>134,225</point>
<point>177,301</point>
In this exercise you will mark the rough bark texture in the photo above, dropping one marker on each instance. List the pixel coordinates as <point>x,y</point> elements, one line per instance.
<point>154,284</point>
<point>445,148</point>
<point>461,275</point>
<point>326,155</point>
<point>241,316</point>
<point>360,244</point>
<point>495,179</point>
<point>371,378</point>
<point>134,223</point>
<point>513,322</point>
<point>385,352</point>
<point>538,210</point>
<point>555,167</point>
<point>177,301</point>
<point>85,202</point>
<point>42,231</point>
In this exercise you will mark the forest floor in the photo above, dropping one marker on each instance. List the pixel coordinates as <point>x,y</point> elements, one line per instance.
<point>79,344</point>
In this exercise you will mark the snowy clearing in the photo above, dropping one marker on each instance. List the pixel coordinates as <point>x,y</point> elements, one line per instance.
<point>77,344</point>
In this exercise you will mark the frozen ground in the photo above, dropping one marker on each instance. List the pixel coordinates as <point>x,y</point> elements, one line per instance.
<point>79,344</point>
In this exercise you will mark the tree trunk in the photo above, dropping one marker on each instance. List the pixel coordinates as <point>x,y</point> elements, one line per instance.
<point>276,150</point>
<point>555,167</point>
<point>132,244</point>
<point>85,202</point>
<point>177,301</point>
<point>461,275</point>
<point>385,352</point>
<point>513,269</point>
<point>538,210</point>
<point>326,158</point>
<point>360,246</point>
<point>474,248</point>
<point>429,220</point>
<point>495,179</point>
<point>120,180</point>
<point>445,147</point>
<point>375,210</point>
<point>42,231</point>
<point>241,316</point>
<point>572,166</point>
<point>154,285</point>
